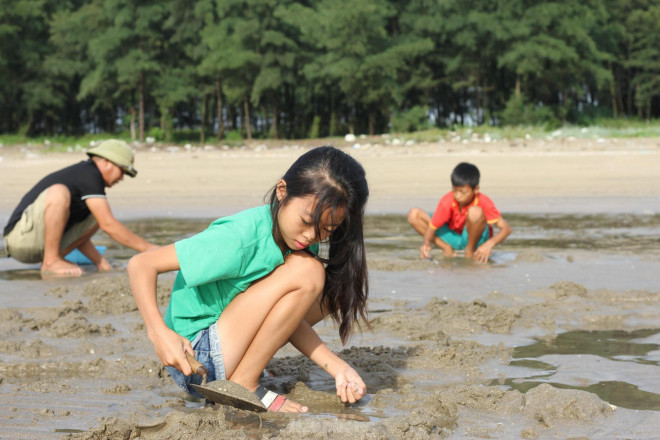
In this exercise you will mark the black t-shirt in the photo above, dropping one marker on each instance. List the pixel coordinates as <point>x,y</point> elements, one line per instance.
<point>84,181</point>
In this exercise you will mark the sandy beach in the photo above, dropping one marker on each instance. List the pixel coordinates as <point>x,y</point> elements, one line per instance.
<point>557,337</point>
<point>579,175</point>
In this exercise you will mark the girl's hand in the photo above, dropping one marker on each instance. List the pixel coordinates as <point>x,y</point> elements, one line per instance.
<point>171,349</point>
<point>350,387</point>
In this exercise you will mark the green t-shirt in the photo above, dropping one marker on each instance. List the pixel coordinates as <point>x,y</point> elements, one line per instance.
<point>219,263</point>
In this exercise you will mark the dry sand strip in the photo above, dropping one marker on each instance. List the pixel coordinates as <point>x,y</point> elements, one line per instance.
<point>615,175</point>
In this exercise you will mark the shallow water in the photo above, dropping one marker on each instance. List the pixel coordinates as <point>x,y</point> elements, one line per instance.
<point>554,237</point>
<point>550,234</point>
<point>539,363</point>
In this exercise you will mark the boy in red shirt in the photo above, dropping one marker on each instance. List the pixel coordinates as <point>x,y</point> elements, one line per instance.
<point>462,220</point>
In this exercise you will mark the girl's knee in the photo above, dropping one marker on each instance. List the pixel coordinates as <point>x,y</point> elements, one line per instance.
<point>306,270</point>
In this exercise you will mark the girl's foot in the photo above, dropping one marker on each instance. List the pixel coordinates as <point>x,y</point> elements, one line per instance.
<point>276,402</point>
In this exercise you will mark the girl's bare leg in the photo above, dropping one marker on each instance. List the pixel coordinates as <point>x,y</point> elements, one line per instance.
<point>315,315</point>
<point>260,320</point>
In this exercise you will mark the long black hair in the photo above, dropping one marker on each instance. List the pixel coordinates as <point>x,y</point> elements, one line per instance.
<point>337,181</point>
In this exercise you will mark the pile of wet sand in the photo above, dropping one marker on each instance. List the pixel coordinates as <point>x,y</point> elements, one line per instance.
<point>429,381</point>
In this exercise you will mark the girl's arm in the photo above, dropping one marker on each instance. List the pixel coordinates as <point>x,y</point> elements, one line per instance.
<point>350,386</point>
<point>143,270</point>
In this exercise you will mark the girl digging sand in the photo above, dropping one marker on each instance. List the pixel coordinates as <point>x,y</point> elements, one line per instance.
<point>252,282</point>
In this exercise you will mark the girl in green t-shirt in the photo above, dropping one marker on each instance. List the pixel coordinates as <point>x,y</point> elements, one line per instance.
<point>287,288</point>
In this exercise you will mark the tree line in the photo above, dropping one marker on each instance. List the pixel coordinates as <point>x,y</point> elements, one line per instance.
<point>283,68</point>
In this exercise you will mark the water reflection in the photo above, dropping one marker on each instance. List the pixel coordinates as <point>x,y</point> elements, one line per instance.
<point>616,393</point>
<point>390,239</point>
<point>574,348</point>
<point>609,344</point>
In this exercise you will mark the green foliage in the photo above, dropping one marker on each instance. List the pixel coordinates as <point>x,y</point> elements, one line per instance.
<point>156,133</point>
<point>551,43</point>
<point>28,90</point>
<point>314,131</point>
<point>233,136</point>
<point>414,119</point>
<point>645,55</point>
<point>323,67</point>
<point>519,112</point>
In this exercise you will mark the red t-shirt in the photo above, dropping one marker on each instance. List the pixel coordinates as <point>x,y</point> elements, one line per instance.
<point>448,212</point>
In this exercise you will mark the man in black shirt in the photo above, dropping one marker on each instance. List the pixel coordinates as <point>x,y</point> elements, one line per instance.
<point>64,210</point>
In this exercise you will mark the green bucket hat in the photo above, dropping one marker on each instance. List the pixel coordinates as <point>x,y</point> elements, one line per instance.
<point>117,152</point>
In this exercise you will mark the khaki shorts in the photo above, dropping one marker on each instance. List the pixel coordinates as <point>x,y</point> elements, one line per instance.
<point>25,242</point>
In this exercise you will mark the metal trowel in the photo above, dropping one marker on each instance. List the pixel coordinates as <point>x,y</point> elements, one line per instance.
<point>224,392</point>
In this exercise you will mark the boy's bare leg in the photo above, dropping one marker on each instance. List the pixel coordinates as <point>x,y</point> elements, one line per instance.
<point>56,214</point>
<point>420,220</point>
<point>475,224</point>
<point>260,320</point>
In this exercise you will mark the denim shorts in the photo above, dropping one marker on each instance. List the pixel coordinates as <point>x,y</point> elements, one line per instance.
<point>207,351</point>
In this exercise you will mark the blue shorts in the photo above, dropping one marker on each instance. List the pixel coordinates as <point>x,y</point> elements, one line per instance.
<point>207,351</point>
<point>459,241</point>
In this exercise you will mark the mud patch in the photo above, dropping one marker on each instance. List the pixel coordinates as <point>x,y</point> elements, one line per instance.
<point>200,425</point>
<point>111,295</point>
<point>11,322</point>
<point>431,372</point>
<point>58,291</point>
<point>118,389</point>
<point>568,288</point>
<point>33,349</point>
<point>72,325</point>
<point>527,256</point>
<point>459,357</point>
<point>550,406</point>
<point>400,264</point>
<point>440,317</point>
<point>434,416</point>
<point>66,321</point>
<point>379,367</point>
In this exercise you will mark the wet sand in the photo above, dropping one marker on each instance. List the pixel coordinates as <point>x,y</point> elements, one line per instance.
<point>558,337</point>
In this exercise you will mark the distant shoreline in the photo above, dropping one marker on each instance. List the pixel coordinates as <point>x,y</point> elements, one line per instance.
<point>536,176</point>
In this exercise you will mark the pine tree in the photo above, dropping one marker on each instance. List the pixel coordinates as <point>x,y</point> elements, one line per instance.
<point>644,28</point>
<point>125,52</point>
